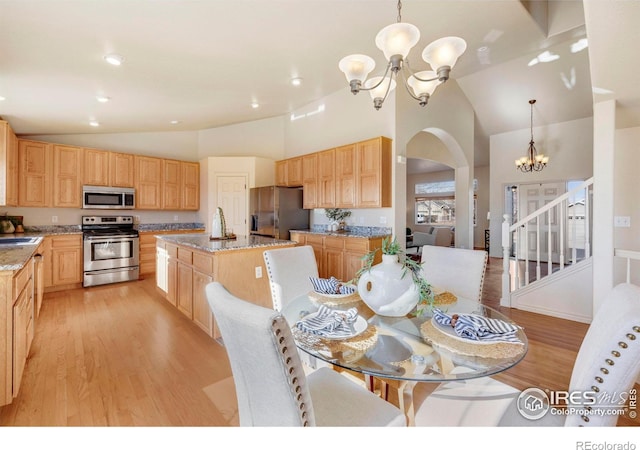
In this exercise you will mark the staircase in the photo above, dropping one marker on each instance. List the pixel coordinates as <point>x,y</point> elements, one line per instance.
<point>547,258</point>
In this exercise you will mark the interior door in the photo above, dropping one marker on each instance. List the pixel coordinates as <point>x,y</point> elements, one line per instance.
<point>232,198</point>
<point>531,198</point>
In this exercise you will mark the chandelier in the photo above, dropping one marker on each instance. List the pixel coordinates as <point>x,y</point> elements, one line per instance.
<point>533,162</point>
<point>396,41</point>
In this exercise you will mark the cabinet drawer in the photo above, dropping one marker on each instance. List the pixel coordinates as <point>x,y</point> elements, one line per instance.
<point>172,250</point>
<point>314,239</point>
<point>203,263</point>
<point>66,241</point>
<point>21,279</point>
<point>357,245</point>
<point>334,242</point>
<point>185,255</point>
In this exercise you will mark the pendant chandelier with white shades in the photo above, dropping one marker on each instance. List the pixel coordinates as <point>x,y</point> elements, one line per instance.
<point>532,162</point>
<point>396,41</point>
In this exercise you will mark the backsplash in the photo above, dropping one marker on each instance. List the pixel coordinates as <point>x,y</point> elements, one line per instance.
<point>169,226</point>
<point>360,230</point>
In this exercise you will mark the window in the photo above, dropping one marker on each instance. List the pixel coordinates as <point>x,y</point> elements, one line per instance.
<point>436,203</point>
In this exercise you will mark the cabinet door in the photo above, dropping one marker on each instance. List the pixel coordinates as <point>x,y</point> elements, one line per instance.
<point>374,173</point>
<point>121,169</point>
<point>8,165</point>
<point>172,281</point>
<point>190,186</point>
<point>96,167</point>
<point>202,315</point>
<point>333,263</point>
<point>35,168</point>
<point>294,172</point>
<point>67,176</point>
<point>281,173</point>
<point>346,176</point>
<point>317,243</point>
<point>171,178</point>
<point>310,181</point>
<point>66,260</point>
<point>148,182</point>
<point>185,289</point>
<point>326,179</point>
<point>20,344</point>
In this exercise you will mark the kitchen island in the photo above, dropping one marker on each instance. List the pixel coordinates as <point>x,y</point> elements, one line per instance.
<point>186,263</point>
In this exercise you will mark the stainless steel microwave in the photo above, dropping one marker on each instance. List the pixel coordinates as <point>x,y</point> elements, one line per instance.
<point>102,197</point>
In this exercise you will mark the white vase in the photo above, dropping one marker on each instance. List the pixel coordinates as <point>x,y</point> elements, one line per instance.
<point>216,225</point>
<point>388,288</point>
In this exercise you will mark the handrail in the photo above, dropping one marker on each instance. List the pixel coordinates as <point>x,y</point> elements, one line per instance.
<point>553,203</point>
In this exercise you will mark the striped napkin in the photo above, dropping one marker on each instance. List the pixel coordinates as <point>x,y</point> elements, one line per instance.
<point>329,322</point>
<point>330,286</point>
<point>478,328</point>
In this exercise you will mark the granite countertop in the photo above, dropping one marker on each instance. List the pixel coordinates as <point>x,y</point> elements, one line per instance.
<point>145,227</point>
<point>14,257</point>
<point>202,242</point>
<point>348,233</point>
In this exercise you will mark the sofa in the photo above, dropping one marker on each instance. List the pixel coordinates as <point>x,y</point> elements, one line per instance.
<point>442,236</point>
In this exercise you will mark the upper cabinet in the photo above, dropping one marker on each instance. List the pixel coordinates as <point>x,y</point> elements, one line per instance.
<point>8,165</point>
<point>96,167</point>
<point>67,176</point>
<point>121,170</point>
<point>351,176</point>
<point>171,180</point>
<point>148,175</point>
<point>289,172</point>
<point>35,168</point>
<point>190,186</point>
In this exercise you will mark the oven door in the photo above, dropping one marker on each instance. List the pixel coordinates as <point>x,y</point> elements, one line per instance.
<point>110,252</point>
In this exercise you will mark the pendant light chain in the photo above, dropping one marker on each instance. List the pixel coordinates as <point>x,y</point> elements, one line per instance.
<point>531,102</point>
<point>399,11</point>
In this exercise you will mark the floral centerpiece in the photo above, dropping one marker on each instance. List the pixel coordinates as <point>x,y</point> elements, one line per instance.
<point>409,267</point>
<point>337,215</point>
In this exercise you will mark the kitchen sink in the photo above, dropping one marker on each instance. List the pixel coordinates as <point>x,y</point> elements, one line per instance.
<point>18,241</point>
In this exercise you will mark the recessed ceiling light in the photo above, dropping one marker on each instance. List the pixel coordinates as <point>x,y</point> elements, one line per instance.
<point>114,59</point>
<point>296,81</point>
<point>255,105</point>
<point>94,123</point>
<point>175,122</point>
<point>2,98</point>
<point>102,98</point>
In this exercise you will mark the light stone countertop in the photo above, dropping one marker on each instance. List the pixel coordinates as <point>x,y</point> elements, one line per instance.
<point>14,257</point>
<point>202,242</point>
<point>349,233</point>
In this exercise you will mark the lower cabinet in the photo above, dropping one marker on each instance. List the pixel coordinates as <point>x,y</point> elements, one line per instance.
<point>63,262</point>
<point>339,256</point>
<point>148,257</point>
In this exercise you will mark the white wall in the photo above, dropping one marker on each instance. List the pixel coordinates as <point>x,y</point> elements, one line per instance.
<point>263,138</point>
<point>569,146</point>
<point>181,145</point>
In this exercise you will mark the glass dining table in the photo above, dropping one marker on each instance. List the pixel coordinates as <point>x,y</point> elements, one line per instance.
<point>406,350</point>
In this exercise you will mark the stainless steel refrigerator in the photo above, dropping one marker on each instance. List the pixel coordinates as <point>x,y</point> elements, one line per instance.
<point>276,210</point>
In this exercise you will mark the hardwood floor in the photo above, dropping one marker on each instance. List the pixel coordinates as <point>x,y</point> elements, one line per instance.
<point>120,355</point>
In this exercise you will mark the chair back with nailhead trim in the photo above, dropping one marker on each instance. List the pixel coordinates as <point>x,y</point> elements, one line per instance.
<point>270,383</point>
<point>456,270</point>
<point>608,363</point>
<point>289,270</point>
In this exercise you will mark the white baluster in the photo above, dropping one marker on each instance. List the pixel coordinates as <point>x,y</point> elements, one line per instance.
<point>538,247</point>
<point>506,258</point>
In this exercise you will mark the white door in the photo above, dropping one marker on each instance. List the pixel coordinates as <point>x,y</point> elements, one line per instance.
<point>532,197</point>
<point>232,198</point>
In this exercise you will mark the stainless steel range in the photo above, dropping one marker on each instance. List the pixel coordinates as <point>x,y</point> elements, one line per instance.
<point>111,250</point>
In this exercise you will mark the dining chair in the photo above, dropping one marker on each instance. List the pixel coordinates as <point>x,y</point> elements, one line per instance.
<point>271,386</point>
<point>607,364</point>
<point>289,270</point>
<point>456,270</point>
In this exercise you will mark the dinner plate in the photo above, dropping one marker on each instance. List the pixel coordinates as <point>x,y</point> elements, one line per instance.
<point>449,331</point>
<point>359,326</point>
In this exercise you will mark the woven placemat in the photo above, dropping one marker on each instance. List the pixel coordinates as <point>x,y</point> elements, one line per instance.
<point>485,350</point>
<point>320,299</point>
<point>350,349</point>
<point>445,298</point>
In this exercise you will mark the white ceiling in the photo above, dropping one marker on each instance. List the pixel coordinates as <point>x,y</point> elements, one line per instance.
<point>204,62</point>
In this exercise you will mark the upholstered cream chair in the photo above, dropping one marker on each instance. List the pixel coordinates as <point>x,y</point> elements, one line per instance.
<point>271,386</point>
<point>608,363</point>
<point>456,270</point>
<point>289,270</point>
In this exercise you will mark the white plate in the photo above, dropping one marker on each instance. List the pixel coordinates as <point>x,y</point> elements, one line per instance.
<point>449,331</point>
<point>360,325</point>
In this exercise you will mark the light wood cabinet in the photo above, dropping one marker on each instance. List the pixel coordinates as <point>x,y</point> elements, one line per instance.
<point>35,167</point>
<point>190,191</point>
<point>148,178</point>
<point>202,315</point>
<point>8,165</point>
<point>346,176</point>
<point>65,259</point>
<point>310,181</point>
<point>339,256</point>
<point>184,289</point>
<point>326,179</point>
<point>96,167</point>
<point>289,172</point>
<point>121,169</point>
<point>171,184</point>
<point>374,173</point>
<point>148,249</point>
<point>67,172</point>
<point>281,173</point>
